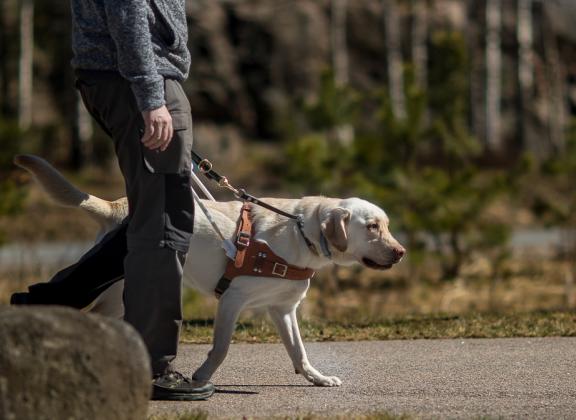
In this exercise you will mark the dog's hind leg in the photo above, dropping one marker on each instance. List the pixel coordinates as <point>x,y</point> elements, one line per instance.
<point>229,308</point>
<point>287,324</point>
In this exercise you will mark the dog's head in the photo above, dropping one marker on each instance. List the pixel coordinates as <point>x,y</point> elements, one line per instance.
<point>358,231</point>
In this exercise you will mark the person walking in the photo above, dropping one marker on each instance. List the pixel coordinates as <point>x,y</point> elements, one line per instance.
<point>130,57</point>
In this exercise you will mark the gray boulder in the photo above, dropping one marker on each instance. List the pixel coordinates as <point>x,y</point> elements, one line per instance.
<point>58,363</point>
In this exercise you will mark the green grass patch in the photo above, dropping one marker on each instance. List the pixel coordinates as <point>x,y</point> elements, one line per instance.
<point>532,324</point>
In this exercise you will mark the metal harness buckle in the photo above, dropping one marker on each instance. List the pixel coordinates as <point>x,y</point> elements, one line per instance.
<point>243,239</point>
<point>283,268</point>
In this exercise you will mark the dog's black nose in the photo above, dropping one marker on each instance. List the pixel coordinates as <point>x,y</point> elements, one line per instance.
<point>399,252</point>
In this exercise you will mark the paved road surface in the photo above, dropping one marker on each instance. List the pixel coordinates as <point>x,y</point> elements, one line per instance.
<point>464,378</point>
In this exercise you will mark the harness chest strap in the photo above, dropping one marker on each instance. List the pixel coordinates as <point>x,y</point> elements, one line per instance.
<point>258,260</point>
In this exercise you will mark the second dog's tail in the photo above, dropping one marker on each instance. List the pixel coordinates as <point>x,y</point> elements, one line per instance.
<point>107,213</point>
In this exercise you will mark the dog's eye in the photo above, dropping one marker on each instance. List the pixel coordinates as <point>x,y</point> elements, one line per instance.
<point>372,226</point>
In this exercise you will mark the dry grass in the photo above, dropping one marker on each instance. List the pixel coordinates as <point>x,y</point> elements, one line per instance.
<point>492,325</point>
<point>529,282</point>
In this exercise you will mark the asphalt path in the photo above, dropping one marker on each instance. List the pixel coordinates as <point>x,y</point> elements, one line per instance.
<point>463,378</point>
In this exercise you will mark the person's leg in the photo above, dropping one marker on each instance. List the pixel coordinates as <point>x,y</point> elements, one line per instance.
<point>78,285</point>
<point>99,268</point>
<point>160,228</point>
<point>161,211</point>
<point>161,222</point>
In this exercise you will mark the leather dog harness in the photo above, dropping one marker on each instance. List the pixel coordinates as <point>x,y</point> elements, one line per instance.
<point>256,258</point>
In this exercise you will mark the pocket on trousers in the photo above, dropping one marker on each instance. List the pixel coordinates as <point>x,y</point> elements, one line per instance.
<point>177,158</point>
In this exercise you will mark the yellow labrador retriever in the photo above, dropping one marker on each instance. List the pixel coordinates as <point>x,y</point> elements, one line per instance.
<point>355,230</point>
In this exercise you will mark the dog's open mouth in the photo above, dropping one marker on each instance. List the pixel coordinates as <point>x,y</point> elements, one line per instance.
<point>374,265</point>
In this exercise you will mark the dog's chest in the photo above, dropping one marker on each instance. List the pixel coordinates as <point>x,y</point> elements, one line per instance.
<point>264,291</point>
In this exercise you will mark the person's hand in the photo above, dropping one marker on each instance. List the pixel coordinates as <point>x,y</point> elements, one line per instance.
<point>158,129</point>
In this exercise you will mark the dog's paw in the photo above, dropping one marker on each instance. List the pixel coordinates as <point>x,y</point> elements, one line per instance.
<point>327,381</point>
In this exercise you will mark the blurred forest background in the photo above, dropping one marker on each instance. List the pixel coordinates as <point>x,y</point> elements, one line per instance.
<point>456,117</point>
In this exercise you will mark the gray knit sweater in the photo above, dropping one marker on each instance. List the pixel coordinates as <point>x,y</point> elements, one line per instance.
<point>144,40</point>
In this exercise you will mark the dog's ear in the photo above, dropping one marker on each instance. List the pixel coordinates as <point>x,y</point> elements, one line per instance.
<point>335,228</point>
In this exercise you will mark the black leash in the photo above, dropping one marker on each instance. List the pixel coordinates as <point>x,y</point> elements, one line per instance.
<point>205,167</point>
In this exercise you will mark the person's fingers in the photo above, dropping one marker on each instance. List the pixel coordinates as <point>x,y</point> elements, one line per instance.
<point>165,145</point>
<point>170,134</point>
<point>166,132</point>
<point>148,133</point>
<point>166,137</point>
<point>158,133</point>
<point>156,140</point>
<point>153,144</point>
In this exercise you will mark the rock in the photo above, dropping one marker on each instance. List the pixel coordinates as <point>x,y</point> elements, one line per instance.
<point>59,363</point>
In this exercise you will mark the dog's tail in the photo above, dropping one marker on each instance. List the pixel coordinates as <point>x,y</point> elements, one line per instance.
<point>107,213</point>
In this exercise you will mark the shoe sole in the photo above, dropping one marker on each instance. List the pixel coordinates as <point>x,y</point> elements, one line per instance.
<point>181,396</point>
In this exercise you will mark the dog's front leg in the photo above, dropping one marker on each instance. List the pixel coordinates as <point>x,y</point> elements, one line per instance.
<point>229,308</point>
<point>287,324</point>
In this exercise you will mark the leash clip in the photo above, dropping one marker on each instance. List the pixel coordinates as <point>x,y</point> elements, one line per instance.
<point>223,183</point>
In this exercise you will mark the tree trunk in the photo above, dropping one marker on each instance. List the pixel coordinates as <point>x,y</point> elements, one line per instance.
<point>570,296</point>
<point>394,58</point>
<point>556,80</point>
<point>4,61</point>
<point>525,35</point>
<point>343,133</point>
<point>339,45</point>
<point>26,64</point>
<point>493,75</point>
<point>419,42</point>
<point>477,112</point>
<point>8,27</point>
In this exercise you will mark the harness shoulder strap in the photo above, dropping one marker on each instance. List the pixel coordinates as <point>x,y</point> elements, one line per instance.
<point>243,234</point>
<point>256,258</point>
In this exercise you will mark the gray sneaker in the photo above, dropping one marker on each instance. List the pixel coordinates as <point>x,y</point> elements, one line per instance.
<point>173,386</point>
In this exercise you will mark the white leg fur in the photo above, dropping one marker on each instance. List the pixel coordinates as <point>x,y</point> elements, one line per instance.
<point>231,304</point>
<point>287,324</point>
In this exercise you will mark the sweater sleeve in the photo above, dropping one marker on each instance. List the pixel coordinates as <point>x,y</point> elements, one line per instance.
<point>128,26</point>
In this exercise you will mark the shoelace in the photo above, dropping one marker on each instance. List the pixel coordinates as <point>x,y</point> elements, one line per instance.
<point>172,376</point>
<point>181,377</point>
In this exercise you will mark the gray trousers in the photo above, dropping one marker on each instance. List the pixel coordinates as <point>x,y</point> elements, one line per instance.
<point>161,209</point>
